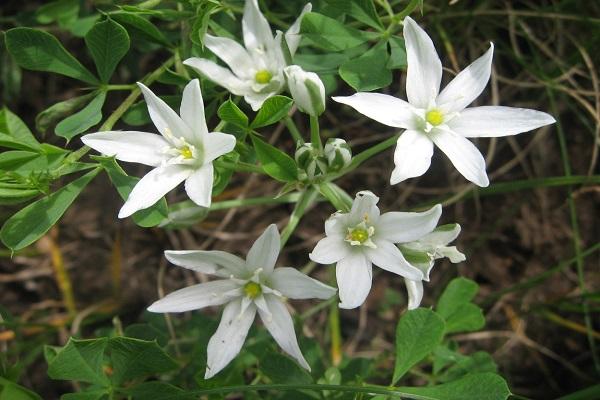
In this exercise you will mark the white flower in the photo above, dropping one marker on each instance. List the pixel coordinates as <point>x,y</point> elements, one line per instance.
<point>431,117</point>
<point>422,254</point>
<point>307,89</point>
<point>256,70</point>
<point>362,237</point>
<point>184,152</point>
<point>246,287</point>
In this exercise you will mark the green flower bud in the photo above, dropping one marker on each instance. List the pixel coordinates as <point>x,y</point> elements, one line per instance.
<point>311,161</point>
<point>338,154</point>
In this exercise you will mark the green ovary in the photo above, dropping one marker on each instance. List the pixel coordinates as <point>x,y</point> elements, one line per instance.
<point>263,76</point>
<point>186,152</point>
<point>434,117</point>
<point>252,290</point>
<point>359,235</point>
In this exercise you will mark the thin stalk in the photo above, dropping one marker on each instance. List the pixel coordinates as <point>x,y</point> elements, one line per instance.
<point>335,329</point>
<point>315,135</point>
<point>576,237</point>
<point>366,154</point>
<point>63,279</point>
<point>255,201</point>
<point>291,125</point>
<point>240,166</point>
<point>336,196</point>
<point>305,201</point>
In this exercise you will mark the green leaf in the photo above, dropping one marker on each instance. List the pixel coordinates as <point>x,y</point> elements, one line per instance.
<point>589,393</point>
<point>134,358</point>
<point>108,43</point>
<point>456,308</point>
<point>273,110</point>
<point>418,333</point>
<point>276,163</point>
<point>50,115</point>
<point>361,10</point>
<point>475,363</point>
<point>40,51</point>
<point>93,394</point>
<point>488,386</point>
<point>158,391</point>
<point>330,34</point>
<point>369,71</point>
<point>184,215</point>
<point>124,184</point>
<point>33,221</point>
<point>140,26</point>
<point>13,130</point>
<point>81,121</point>
<point>230,112</point>
<point>397,53</point>
<point>282,369</point>
<point>12,391</point>
<point>80,360</point>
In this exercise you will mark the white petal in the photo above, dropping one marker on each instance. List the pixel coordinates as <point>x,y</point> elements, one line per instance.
<point>295,285</point>
<point>402,227</point>
<point>258,36</point>
<point>221,76</point>
<point>256,100</point>
<point>232,53</point>
<point>192,110</point>
<point>195,297</point>
<point>412,156</point>
<point>292,36</point>
<point>451,253</point>
<point>441,236</point>
<point>216,144</point>
<point>494,121</point>
<point>383,108</point>
<point>364,206</point>
<point>415,293</point>
<point>227,341</point>
<point>336,224</point>
<point>154,185</point>
<point>207,261</point>
<point>264,251</point>
<point>464,155</point>
<point>330,249</point>
<point>424,73</point>
<point>279,323</point>
<point>354,276</point>
<point>387,256</point>
<point>467,85</point>
<point>139,147</point>
<point>165,119</point>
<point>198,185</point>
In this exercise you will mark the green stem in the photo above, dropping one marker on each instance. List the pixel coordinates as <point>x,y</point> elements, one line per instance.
<point>315,136</point>
<point>119,87</point>
<point>370,389</point>
<point>291,125</point>
<point>336,196</point>
<point>255,201</point>
<point>305,201</point>
<point>366,154</point>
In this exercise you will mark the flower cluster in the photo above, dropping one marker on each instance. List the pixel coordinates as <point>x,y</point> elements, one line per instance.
<point>403,243</point>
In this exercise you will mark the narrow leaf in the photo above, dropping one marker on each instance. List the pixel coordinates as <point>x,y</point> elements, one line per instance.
<point>81,121</point>
<point>137,25</point>
<point>108,43</point>
<point>12,126</point>
<point>40,51</point>
<point>33,221</point>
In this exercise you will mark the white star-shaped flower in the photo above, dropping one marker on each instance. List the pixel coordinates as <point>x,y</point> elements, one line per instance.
<point>432,246</point>
<point>362,237</point>
<point>184,151</point>
<point>246,287</point>
<point>431,117</point>
<point>256,70</point>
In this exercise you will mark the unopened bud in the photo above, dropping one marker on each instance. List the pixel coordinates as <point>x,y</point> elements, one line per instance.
<point>307,89</point>
<point>338,154</point>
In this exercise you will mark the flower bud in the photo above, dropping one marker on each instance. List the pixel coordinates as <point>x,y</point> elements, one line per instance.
<point>310,161</point>
<point>338,154</point>
<point>307,89</point>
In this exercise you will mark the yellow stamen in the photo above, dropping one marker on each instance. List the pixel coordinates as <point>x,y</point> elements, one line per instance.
<point>252,290</point>
<point>186,152</point>
<point>434,117</point>
<point>359,235</point>
<point>263,76</point>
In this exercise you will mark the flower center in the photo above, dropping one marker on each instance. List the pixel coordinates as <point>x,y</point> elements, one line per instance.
<point>263,76</point>
<point>252,290</point>
<point>360,235</point>
<point>186,152</point>
<point>434,117</point>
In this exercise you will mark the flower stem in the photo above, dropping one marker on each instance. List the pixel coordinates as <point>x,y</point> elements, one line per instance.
<point>291,125</point>
<point>315,136</point>
<point>239,166</point>
<point>305,201</point>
